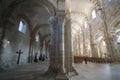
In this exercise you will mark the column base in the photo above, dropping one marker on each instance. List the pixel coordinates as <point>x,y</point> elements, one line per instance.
<point>58,74</point>
<point>61,77</point>
<point>72,73</point>
<point>30,59</point>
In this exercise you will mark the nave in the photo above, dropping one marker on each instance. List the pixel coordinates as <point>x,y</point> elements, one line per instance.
<point>63,32</point>
<point>89,71</point>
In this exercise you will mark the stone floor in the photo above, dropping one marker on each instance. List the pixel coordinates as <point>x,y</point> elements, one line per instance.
<point>90,71</point>
<point>95,71</point>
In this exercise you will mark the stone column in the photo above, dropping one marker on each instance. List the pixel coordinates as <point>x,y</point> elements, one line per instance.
<point>30,54</point>
<point>57,53</point>
<point>44,48</point>
<point>76,46</point>
<point>53,44</point>
<point>83,40</point>
<point>105,31</point>
<point>69,58</point>
<point>91,42</point>
<point>79,44</point>
<point>47,49</point>
<point>78,51</point>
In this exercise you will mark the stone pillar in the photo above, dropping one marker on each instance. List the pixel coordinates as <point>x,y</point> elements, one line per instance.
<point>77,40</point>
<point>79,44</point>
<point>53,44</point>
<point>91,42</point>
<point>105,31</point>
<point>57,53</point>
<point>83,42</point>
<point>76,46</point>
<point>46,49</point>
<point>30,54</point>
<point>69,57</point>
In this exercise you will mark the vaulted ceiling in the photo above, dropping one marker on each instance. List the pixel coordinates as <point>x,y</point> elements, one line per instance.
<point>32,11</point>
<point>79,11</point>
<point>37,14</point>
<point>81,6</point>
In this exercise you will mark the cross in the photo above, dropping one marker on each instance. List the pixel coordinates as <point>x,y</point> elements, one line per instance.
<point>19,53</point>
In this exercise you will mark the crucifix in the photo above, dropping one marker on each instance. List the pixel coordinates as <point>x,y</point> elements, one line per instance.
<point>19,53</point>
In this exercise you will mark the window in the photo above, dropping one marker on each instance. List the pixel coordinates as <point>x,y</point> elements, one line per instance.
<point>109,0</point>
<point>37,38</point>
<point>93,14</point>
<point>104,44</point>
<point>118,36</point>
<point>118,40</point>
<point>85,24</point>
<point>22,27</point>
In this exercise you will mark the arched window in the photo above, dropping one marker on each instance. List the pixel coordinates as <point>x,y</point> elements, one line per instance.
<point>109,0</point>
<point>85,24</point>
<point>118,36</point>
<point>104,44</point>
<point>37,38</point>
<point>22,27</point>
<point>93,14</point>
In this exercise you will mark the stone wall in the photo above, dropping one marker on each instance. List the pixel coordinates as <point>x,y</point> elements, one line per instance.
<point>13,42</point>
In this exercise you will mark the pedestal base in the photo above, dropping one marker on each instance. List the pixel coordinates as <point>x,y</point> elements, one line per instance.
<point>72,73</point>
<point>61,77</point>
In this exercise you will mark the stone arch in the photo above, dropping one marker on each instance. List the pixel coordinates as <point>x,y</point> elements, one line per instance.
<point>37,27</point>
<point>80,14</point>
<point>36,30</point>
<point>16,3</point>
<point>112,33</point>
<point>68,18</point>
<point>90,12</point>
<point>8,12</point>
<point>95,2</point>
<point>114,23</point>
<point>33,34</point>
<point>44,37</point>
<point>99,36</point>
<point>96,6</point>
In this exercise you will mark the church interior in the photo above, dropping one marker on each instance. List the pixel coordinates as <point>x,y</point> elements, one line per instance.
<point>59,39</point>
